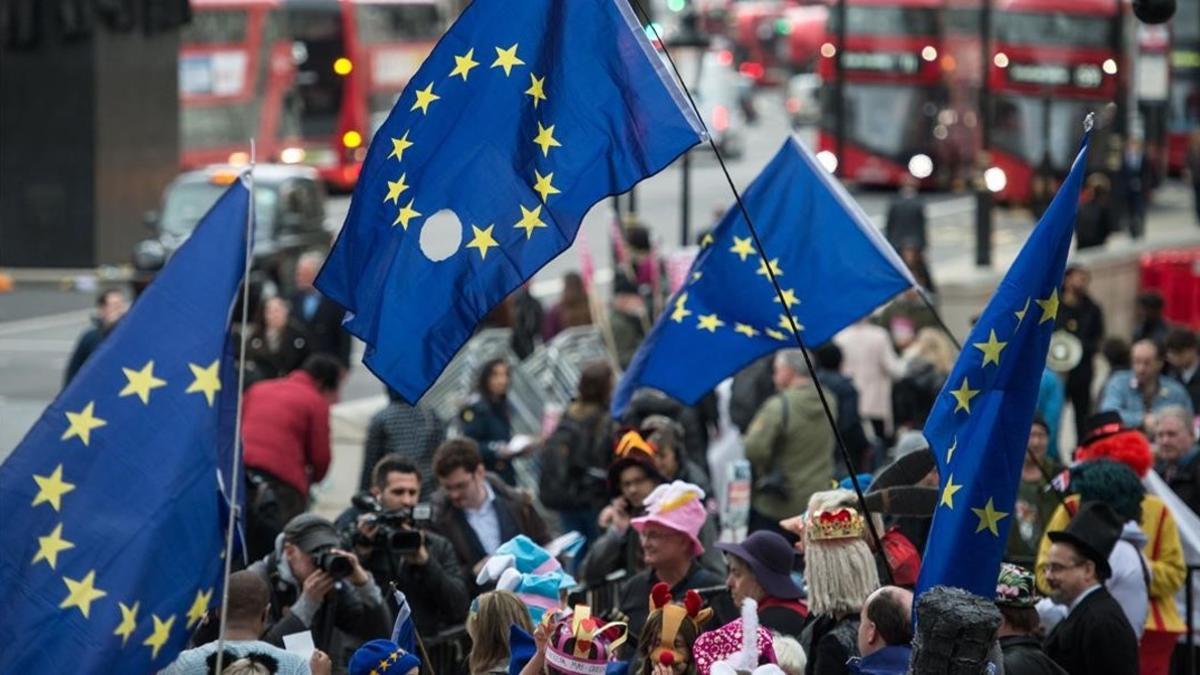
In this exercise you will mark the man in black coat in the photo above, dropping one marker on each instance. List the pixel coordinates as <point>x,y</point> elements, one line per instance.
<point>320,316</point>
<point>1016,597</point>
<point>1183,356</point>
<point>1095,638</point>
<point>906,218</point>
<point>1080,316</point>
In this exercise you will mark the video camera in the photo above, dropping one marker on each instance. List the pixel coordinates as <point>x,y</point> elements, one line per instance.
<point>398,529</point>
<point>337,566</point>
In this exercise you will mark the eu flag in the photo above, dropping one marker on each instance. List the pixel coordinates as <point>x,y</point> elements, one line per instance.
<point>112,537</point>
<point>523,116</point>
<point>833,265</point>
<point>979,426</point>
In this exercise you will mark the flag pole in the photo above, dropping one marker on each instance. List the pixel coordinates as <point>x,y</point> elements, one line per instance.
<point>235,473</point>
<point>837,434</point>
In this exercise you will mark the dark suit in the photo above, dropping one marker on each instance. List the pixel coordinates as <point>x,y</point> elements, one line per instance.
<point>323,325</point>
<point>1192,385</point>
<point>1095,638</point>
<point>906,223</point>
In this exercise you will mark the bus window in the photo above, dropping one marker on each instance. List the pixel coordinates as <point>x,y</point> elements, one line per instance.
<point>872,114</point>
<point>1026,28</point>
<point>316,32</point>
<point>883,20</point>
<point>226,26</point>
<point>397,23</point>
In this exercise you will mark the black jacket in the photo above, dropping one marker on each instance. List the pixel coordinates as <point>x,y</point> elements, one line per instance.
<point>324,326</point>
<point>489,423</point>
<point>1192,385</point>
<point>848,420</point>
<point>436,591</point>
<point>1095,638</point>
<point>347,618</point>
<point>1023,655</point>
<point>516,514</point>
<point>906,223</point>
<point>1183,478</point>
<point>635,596</point>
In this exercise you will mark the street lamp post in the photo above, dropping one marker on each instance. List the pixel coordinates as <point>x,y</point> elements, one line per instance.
<point>839,100</point>
<point>983,195</point>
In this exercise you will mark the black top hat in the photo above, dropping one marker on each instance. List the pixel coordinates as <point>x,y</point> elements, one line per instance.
<point>1094,531</point>
<point>1101,426</point>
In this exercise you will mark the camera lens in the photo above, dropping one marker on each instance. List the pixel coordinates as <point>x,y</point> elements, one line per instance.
<point>337,566</point>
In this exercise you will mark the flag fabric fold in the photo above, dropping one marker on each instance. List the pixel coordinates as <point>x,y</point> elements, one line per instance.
<point>979,425</point>
<point>523,116</point>
<point>832,264</point>
<point>111,550</point>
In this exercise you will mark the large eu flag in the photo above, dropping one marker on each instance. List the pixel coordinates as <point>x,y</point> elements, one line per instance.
<point>523,116</point>
<point>832,264</point>
<point>979,426</point>
<point>112,505</point>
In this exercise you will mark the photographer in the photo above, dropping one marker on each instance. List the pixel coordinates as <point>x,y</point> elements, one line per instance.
<point>389,529</point>
<point>317,586</point>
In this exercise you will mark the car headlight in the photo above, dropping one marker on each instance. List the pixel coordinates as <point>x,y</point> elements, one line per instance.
<point>920,166</point>
<point>828,160</point>
<point>995,179</point>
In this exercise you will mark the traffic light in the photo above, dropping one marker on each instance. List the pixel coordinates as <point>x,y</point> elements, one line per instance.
<point>1153,11</point>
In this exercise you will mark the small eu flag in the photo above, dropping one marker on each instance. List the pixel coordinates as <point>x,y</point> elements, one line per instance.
<point>110,553</point>
<point>979,426</point>
<point>832,264</point>
<point>524,116</point>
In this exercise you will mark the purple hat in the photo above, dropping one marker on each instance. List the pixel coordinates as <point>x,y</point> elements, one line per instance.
<point>770,556</point>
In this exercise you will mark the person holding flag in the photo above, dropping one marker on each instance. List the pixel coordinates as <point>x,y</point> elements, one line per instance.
<point>113,502</point>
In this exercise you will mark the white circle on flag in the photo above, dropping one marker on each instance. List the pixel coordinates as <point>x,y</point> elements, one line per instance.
<point>441,235</point>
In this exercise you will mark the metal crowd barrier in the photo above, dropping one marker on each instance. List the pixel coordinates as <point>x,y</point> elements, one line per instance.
<point>446,653</point>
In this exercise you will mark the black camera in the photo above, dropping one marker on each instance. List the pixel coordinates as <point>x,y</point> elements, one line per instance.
<point>337,566</point>
<point>398,529</point>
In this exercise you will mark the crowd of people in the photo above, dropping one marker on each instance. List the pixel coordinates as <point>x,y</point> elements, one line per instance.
<point>656,579</point>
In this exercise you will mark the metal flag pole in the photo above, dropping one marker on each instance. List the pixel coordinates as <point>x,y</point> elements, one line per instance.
<point>837,434</point>
<point>235,470</point>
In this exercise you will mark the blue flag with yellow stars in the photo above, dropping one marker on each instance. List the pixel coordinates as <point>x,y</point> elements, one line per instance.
<point>832,264</point>
<point>523,116</point>
<point>978,428</point>
<point>110,552</point>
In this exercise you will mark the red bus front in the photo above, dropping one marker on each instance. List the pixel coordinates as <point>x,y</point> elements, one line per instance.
<point>1053,62</point>
<point>1183,103</point>
<point>893,91</point>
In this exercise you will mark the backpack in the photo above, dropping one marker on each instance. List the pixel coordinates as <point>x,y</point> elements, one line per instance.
<point>573,474</point>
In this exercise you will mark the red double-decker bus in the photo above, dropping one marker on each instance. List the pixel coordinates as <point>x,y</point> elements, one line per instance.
<point>310,80</point>
<point>893,91</point>
<point>1053,61</point>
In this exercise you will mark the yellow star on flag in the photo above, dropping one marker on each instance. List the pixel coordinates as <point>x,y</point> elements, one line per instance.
<point>50,546</point>
<point>531,219</point>
<point>748,331</point>
<point>407,213</point>
<point>948,492</point>
<point>545,139</point>
<point>709,322</point>
<point>141,382</point>
<point>395,189</point>
<point>707,240</point>
<point>543,186</point>
<point>786,323</point>
<point>1021,314</point>
<point>424,98</point>
<point>82,593</point>
<point>988,517</point>
<point>399,145</point>
<point>991,349</point>
<point>207,380</point>
<point>951,449</point>
<point>199,607</point>
<point>162,633</point>
<point>51,488</point>
<point>680,312</point>
<point>774,267</point>
<point>771,332</point>
<point>963,395</point>
<point>536,89</point>
<point>463,64</point>
<point>696,276</point>
<point>743,247</point>
<point>1049,307</point>
<point>82,423</point>
<point>506,59</point>
<point>128,622</point>
<point>789,297</point>
<point>483,241</point>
